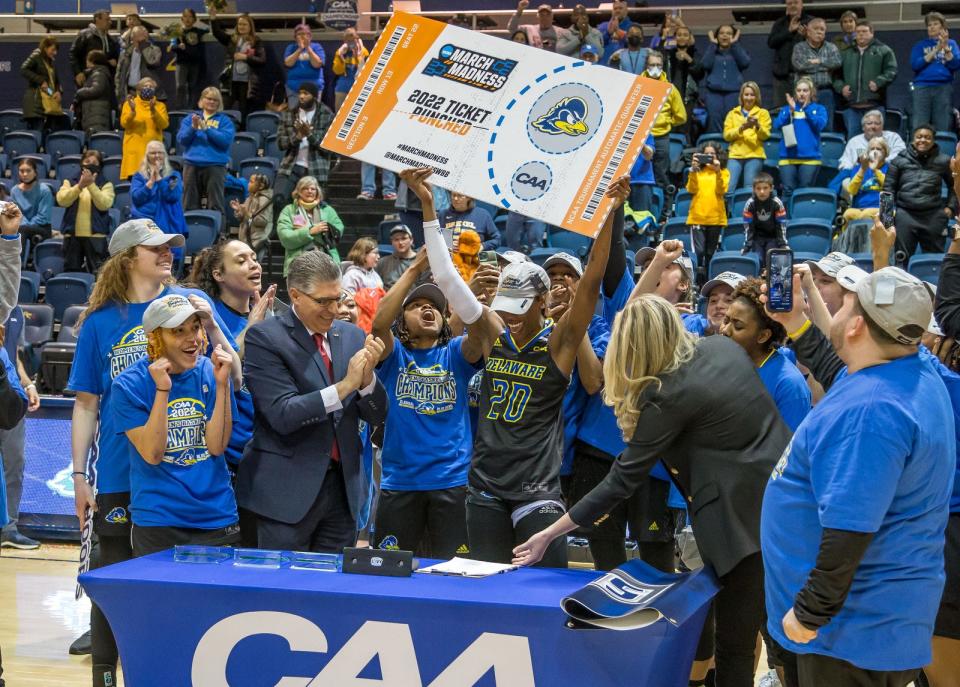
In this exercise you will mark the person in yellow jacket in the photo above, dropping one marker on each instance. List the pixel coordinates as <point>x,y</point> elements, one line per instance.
<point>708,181</point>
<point>143,119</point>
<point>672,114</point>
<point>745,128</point>
<point>347,62</point>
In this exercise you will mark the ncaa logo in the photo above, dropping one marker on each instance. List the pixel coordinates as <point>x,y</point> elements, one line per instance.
<point>628,592</point>
<point>564,118</point>
<point>531,180</point>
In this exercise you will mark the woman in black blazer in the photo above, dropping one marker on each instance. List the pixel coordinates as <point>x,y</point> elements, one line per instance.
<point>700,407</point>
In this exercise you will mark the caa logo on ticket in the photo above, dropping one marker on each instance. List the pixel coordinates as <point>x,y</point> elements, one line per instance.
<point>564,118</point>
<point>619,589</point>
<point>470,68</point>
<point>531,180</point>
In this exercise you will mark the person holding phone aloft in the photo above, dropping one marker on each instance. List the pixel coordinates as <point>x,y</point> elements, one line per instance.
<point>708,181</point>
<point>745,128</point>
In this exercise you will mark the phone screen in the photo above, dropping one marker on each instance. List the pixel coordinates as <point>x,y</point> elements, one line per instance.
<point>780,280</point>
<point>488,257</point>
<point>887,209</point>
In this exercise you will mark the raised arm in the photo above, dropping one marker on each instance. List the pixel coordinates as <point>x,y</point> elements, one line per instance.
<point>391,305</point>
<point>220,425</point>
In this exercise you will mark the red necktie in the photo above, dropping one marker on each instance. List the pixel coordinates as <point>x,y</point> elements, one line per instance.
<point>318,339</point>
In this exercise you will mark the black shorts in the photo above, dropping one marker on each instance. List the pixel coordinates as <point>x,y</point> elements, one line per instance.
<point>147,540</point>
<point>430,523</point>
<point>948,617</point>
<point>112,518</point>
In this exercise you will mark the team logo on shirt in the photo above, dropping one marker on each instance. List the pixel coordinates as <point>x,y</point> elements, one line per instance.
<point>426,390</point>
<point>470,68</point>
<point>781,465</point>
<point>186,435</point>
<point>129,349</point>
<point>117,516</point>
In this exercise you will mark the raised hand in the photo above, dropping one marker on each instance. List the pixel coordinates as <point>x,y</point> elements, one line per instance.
<point>160,373</point>
<point>222,364</point>
<point>10,218</point>
<point>668,251</point>
<point>205,311</point>
<point>416,180</point>
<point>619,190</point>
<point>262,304</point>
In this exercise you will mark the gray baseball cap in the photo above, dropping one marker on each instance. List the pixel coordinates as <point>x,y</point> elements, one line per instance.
<point>429,291</point>
<point>401,229</point>
<point>646,254</point>
<point>141,232</point>
<point>168,312</point>
<point>895,300</point>
<point>520,285</point>
<point>731,279</point>
<point>571,261</point>
<point>831,263</point>
<point>513,256</point>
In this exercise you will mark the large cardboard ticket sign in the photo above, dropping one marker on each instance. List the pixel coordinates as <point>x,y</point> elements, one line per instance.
<point>525,129</point>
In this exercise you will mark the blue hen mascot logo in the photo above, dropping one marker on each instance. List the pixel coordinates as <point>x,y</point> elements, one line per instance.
<point>567,117</point>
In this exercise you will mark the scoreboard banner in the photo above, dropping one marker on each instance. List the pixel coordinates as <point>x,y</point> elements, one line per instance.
<point>525,129</point>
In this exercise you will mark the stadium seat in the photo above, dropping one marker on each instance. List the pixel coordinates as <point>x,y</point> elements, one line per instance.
<point>810,236</point>
<point>826,173</point>
<point>68,167</point>
<point>271,149</point>
<point>489,207</point>
<point>711,138</point>
<point>676,229</point>
<point>53,185</point>
<point>204,229</point>
<point>813,203</point>
<point>258,165</point>
<point>37,323</point>
<point>800,257</point>
<point>176,162</point>
<point>53,362</point>
<point>540,255</point>
<point>121,199</point>
<point>245,146</point>
<point>48,258</point>
<point>926,266</point>
<point>235,116</point>
<point>116,218</point>
<point>731,261</point>
<point>893,120</point>
<point>68,326</point>
<point>56,217</point>
<point>67,289</point>
<point>29,287</point>
<point>4,160</point>
<point>11,120</point>
<point>677,144</point>
<point>384,230</point>
<point>657,200</point>
<point>864,261</point>
<point>771,147</point>
<point>263,123</point>
<point>231,193</point>
<point>61,143</point>
<point>569,242</point>
<point>947,140</point>
<point>111,169</point>
<point>736,212</point>
<point>681,204</point>
<point>17,143</point>
<point>742,195</point>
<point>110,143</point>
<point>174,117</point>
<point>733,238</point>
<point>832,145</point>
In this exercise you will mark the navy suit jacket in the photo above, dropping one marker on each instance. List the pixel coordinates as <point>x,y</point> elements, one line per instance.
<point>286,461</point>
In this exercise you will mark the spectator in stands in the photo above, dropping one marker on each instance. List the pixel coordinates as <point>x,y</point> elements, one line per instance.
<point>580,34</point>
<point>872,124</point>
<point>642,179</point>
<point>915,180</point>
<point>12,441</point>
<point>867,70</point>
<point>255,213</point>
<point>347,63</point>
<point>463,213</point>
<point>140,60</point>
<point>34,200</point>
<point>764,219</point>
<point>130,22</point>
<point>143,119</point>
<point>392,267</point>
<point>205,139</point>
<point>86,222</point>
<point>244,60</point>
<point>543,34</point>
<point>864,187</point>
<point>785,33</point>
<point>666,37</point>
<point>672,114</point>
<point>818,59</point>
<point>708,182</point>
<point>43,97</point>
<point>614,30</point>
<point>847,37</point>
<point>723,63</point>
<point>156,191</point>
<point>684,70</point>
<point>180,490</point>
<point>806,118</point>
<point>522,233</point>
<point>520,36</point>
<point>633,58</point>
<point>299,135</point>
<point>362,271</point>
<point>368,182</point>
<point>308,223</point>
<point>934,59</point>
<point>188,49</point>
<point>95,37</point>
<point>304,60</point>
<point>745,128</point>
<point>94,101</point>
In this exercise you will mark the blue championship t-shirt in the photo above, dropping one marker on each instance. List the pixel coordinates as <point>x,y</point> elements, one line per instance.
<point>427,439</point>
<point>842,472</point>
<point>787,387</point>
<point>111,339</point>
<point>243,420</point>
<point>576,398</point>
<point>190,487</point>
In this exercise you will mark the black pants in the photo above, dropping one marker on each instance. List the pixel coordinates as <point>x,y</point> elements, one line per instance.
<point>36,234</point>
<point>651,521</point>
<point>204,181</point>
<point>327,527</point>
<point>147,540</point>
<point>814,670</point>
<point>927,228</point>
<point>431,523</point>
<point>661,171</point>
<point>84,253</point>
<point>188,80</point>
<point>739,611</point>
<point>239,99</point>
<point>246,519</point>
<point>705,240</point>
<point>493,535</point>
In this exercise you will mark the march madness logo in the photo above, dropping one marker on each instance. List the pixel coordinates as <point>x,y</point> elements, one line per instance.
<point>470,68</point>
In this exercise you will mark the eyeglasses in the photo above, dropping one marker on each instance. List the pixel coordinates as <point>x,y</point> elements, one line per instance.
<point>327,302</point>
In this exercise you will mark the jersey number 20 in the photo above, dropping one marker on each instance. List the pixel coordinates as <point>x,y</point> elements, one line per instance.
<point>510,398</point>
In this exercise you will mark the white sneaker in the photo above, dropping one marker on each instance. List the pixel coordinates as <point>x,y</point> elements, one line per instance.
<point>770,679</point>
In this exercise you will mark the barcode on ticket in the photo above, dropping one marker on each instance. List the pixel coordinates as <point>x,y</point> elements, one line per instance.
<point>371,82</point>
<point>594,203</point>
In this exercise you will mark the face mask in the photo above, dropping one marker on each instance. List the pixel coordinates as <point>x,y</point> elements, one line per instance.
<point>146,93</point>
<point>654,72</point>
<point>634,41</point>
<point>93,169</point>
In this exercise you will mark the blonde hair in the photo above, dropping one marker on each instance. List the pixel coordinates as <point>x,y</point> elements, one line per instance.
<point>145,163</point>
<point>307,181</point>
<point>156,348</point>
<point>813,89</point>
<point>212,92</point>
<point>756,92</point>
<point>648,340</point>
<point>112,283</point>
<point>359,250</point>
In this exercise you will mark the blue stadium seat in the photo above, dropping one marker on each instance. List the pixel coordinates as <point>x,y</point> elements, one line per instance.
<point>116,218</point>
<point>677,144</point>
<point>733,238</point>
<point>800,257</point>
<point>711,138</point>
<point>826,172</point>
<point>65,290</point>
<point>656,207</point>
<point>29,287</point>
<point>231,193</point>
<point>48,258</point>
<point>68,167</point>
<point>832,145</point>
<point>489,207</point>
<point>61,143</point>
<point>56,217</point>
<point>18,143</point>
<point>742,195</point>
<point>235,116</point>
<point>68,325</point>
<point>947,140</point>
<point>926,266</point>
<point>245,146</point>
<point>263,123</point>
<point>174,117</point>
<point>110,143</point>
<point>569,241</point>
<point>771,147</point>
<point>271,149</point>
<point>176,162</point>
<point>813,203</point>
<point>11,120</point>
<point>810,236</point>
<point>731,261</point>
<point>204,228</point>
<point>383,230</point>
<point>681,203</point>
<point>121,199</point>
<point>736,211</point>
<point>168,142</point>
<point>540,255</point>
<point>37,323</point>
<point>864,261</point>
<point>4,159</point>
<point>258,165</point>
<point>111,169</point>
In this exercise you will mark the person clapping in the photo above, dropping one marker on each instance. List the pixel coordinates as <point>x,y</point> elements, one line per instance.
<point>156,191</point>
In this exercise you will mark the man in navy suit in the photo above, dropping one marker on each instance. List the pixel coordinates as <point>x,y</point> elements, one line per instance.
<point>312,379</point>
